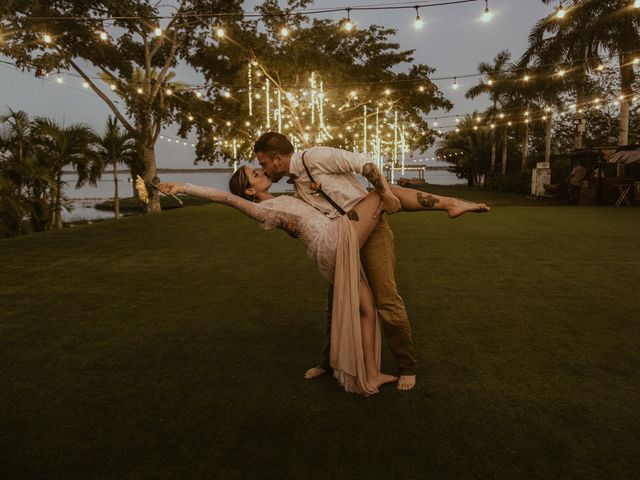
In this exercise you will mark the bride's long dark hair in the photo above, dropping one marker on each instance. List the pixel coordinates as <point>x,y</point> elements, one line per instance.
<point>238,184</point>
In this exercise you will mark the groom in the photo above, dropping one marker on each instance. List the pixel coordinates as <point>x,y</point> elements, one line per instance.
<point>332,171</point>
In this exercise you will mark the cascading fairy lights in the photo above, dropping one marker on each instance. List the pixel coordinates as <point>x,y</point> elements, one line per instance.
<point>364,131</point>
<point>402,148</point>
<point>235,155</point>
<point>250,90</point>
<point>377,148</point>
<point>312,100</point>
<point>267,104</point>
<point>321,105</point>
<point>279,111</point>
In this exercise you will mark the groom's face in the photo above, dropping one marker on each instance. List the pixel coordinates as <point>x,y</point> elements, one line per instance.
<point>270,166</point>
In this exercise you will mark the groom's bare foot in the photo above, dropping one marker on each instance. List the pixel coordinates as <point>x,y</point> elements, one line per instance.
<point>462,206</point>
<point>406,382</point>
<point>314,372</point>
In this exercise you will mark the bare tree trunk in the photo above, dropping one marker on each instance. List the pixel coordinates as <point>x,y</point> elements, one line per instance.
<point>149,157</point>
<point>116,198</point>
<point>626,82</point>
<point>505,146</point>
<point>525,146</point>
<point>57,220</point>
<point>547,138</point>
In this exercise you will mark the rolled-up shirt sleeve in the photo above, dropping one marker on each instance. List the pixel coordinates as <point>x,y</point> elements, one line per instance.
<point>335,160</point>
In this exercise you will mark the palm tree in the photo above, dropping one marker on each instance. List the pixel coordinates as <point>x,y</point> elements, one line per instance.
<point>469,149</point>
<point>115,146</point>
<point>497,73</point>
<point>60,146</point>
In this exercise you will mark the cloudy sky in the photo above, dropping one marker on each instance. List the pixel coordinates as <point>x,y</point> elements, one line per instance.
<point>453,40</point>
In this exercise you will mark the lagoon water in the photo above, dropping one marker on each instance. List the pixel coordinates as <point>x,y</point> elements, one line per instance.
<point>84,198</point>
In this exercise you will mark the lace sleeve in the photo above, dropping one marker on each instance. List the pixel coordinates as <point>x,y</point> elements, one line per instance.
<point>268,217</point>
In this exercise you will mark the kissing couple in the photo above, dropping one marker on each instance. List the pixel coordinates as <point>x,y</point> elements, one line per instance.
<point>348,238</point>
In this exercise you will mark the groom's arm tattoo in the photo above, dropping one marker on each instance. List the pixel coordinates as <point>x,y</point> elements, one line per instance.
<point>371,173</point>
<point>426,200</point>
<point>353,216</point>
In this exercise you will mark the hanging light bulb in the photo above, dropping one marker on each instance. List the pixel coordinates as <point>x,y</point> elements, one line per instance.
<point>421,88</point>
<point>157,32</point>
<point>561,11</point>
<point>103,35</point>
<point>284,32</point>
<point>191,118</point>
<point>486,15</point>
<point>169,91</point>
<point>526,78</point>
<point>418,23</point>
<point>455,83</point>
<point>199,94</point>
<point>46,38</point>
<point>600,67</point>
<point>489,82</point>
<point>85,85</point>
<point>59,80</point>
<point>113,86</point>
<point>139,90</point>
<point>348,24</point>
<point>220,32</point>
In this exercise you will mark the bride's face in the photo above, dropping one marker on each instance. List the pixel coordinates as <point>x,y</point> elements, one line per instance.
<point>257,179</point>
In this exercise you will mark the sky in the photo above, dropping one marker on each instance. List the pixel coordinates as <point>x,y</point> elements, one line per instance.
<point>453,40</point>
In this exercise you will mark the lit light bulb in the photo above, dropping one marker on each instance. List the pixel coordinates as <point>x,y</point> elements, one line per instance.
<point>348,26</point>
<point>457,120</point>
<point>455,83</point>
<point>421,88</point>
<point>47,38</point>
<point>157,32</point>
<point>526,78</point>
<point>562,73</point>
<point>228,124</point>
<point>502,115</point>
<point>284,32</point>
<point>85,85</point>
<point>636,61</point>
<point>353,94</point>
<point>246,124</point>
<point>191,118</point>
<point>139,90</point>
<point>59,80</point>
<point>220,33</point>
<point>489,82</point>
<point>169,91</point>
<point>226,93</point>
<point>418,23</point>
<point>113,86</point>
<point>600,68</point>
<point>103,35</point>
<point>199,94</point>
<point>387,92</point>
<point>210,120</point>
<point>561,13</point>
<point>486,15</point>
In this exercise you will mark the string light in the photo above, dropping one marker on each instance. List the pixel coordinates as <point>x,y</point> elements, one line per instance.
<point>250,89</point>
<point>486,15</point>
<point>418,23</point>
<point>348,24</point>
<point>455,83</point>
<point>561,11</point>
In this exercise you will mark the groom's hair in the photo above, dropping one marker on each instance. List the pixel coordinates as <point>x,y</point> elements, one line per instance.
<point>273,143</point>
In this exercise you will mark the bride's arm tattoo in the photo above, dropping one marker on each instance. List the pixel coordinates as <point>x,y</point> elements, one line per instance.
<point>371,173</point>
<point>426,200</point>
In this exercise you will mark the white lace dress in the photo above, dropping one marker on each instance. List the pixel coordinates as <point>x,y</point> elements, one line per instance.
<point>333,246</point>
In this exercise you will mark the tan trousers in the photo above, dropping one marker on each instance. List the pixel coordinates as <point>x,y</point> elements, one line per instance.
<point>378,259</point>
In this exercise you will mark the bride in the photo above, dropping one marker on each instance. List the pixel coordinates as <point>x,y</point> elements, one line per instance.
<point>333,245</point>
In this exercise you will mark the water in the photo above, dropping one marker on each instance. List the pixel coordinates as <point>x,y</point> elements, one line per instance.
<point>84,198</point>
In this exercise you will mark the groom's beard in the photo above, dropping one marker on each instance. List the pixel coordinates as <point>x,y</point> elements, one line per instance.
<point>276,178</point>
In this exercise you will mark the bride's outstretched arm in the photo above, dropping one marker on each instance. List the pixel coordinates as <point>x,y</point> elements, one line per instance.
<point>266,216</point>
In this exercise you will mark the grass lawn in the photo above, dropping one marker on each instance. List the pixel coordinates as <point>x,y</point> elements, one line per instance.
<point>173,346</point>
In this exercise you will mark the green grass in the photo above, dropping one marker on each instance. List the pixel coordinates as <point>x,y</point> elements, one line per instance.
<point>173,346</point>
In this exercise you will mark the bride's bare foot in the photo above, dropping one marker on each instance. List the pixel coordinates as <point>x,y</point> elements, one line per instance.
<point>314,372</point>
<point>462,206</point>
<point>406,382</point>
<point>381,379</point>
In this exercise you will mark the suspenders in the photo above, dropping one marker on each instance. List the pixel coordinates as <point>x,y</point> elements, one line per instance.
<point>322,192</point>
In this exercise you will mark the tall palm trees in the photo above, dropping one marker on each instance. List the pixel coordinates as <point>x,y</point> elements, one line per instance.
<point>115,146</point>
<point>496,73</point>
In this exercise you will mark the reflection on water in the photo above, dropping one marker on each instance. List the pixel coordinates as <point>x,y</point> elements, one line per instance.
<point>84,198</point>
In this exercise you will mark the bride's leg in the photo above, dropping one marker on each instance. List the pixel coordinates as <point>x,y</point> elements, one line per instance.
<point>375,378</point>
<point>362,214</point>
<point>415,201</point>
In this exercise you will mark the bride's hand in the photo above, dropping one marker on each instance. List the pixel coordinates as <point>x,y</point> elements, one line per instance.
<point>170,188</point>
